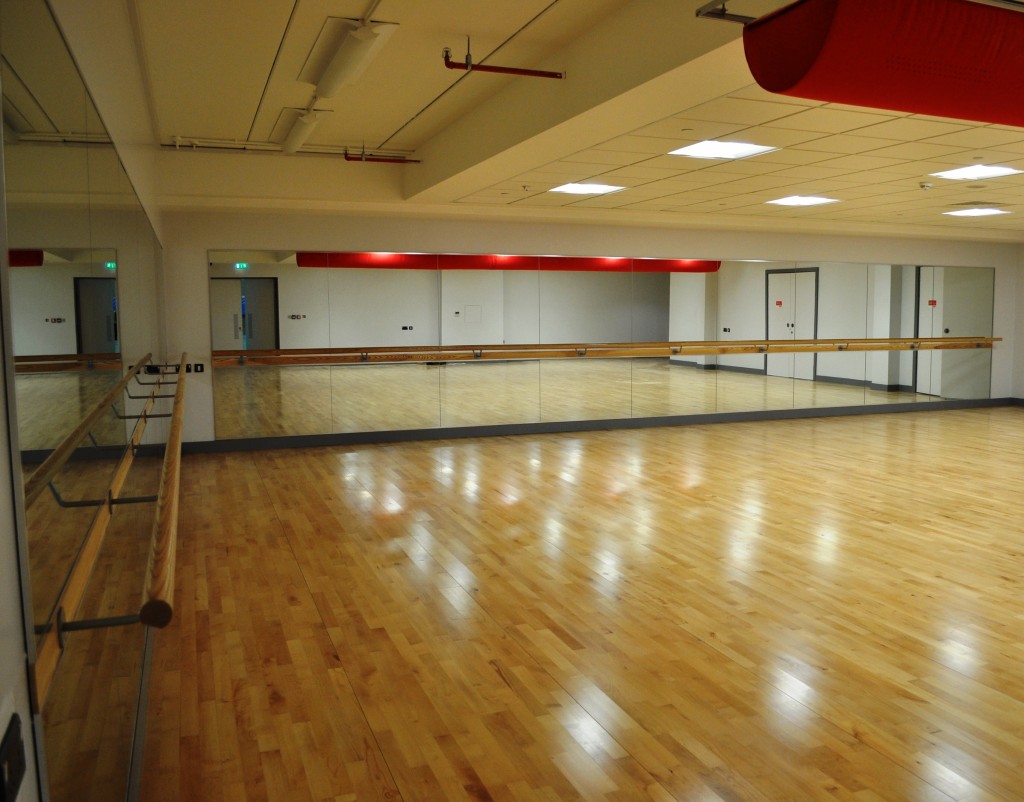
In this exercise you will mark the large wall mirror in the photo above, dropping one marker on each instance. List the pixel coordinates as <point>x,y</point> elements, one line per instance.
<point>277,301</point>
<point>83,258</point>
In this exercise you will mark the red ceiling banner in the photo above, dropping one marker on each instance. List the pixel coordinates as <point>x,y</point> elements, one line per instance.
<point>25,257</point>
<point>949,58</point>
<point>464,261</point>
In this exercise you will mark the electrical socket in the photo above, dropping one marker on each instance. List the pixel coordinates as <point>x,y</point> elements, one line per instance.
<point>200,367</point>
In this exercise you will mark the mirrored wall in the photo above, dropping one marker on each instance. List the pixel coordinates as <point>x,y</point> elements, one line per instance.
<point>82,300</point>
<point>263,301</point>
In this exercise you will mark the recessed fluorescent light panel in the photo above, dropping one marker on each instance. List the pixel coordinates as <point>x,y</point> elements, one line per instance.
<point>710,149</point>
<point>586,189</point>
<point>802,200</point>
<point>976,212</point>
<point>976,172</point>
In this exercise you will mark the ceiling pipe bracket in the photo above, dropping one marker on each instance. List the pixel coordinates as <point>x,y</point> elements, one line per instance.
<point>469,66</point>
<point>716,10</point>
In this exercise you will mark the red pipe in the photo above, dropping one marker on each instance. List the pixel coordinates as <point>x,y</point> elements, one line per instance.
<point>469,66</point>
<point>946,58</point>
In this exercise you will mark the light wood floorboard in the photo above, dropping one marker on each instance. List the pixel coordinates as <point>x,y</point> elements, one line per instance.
<point>825,609</point>
<point>269,401</point>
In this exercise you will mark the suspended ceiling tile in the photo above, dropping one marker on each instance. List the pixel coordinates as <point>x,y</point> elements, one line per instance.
<point>910,129</point>
<point>686,129</point>
<point>548,199</point>
<point>641,171</point>
<point>806,172</point>
<point>772,137</point>
<point>861,162</point>
<point>829,120</point>
<point>649,145</point>
<point>796,156</point>
<point>847,143</point>
<point>605,157</point>
<point>576,171</point>
<point>755,92</point>
<point>987,137</point>
<point>756,183</point>
<point>916,151</point>
<point>740,111</point>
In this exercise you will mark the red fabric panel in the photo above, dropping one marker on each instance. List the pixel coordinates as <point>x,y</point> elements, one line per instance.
<point>469,261</point>
<point>948,58</point>
<point>25,257</point>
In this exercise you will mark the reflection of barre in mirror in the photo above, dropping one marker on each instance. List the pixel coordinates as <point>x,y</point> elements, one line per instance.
<point>61,616</point>
<point>469,353</point>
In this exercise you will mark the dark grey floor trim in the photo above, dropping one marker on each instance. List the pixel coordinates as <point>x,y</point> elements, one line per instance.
<point>555,427</point>
<point>685,363</point>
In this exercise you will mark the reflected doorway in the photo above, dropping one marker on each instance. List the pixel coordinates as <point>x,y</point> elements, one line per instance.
<point>792,314</point>
<point>243,314</point>
<point>96,316</point>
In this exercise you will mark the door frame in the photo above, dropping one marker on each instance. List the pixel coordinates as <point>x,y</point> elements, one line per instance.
<point>77,283</point>
<point>767,309</point>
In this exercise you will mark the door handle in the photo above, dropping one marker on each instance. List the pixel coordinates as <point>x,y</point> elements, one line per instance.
<point>945,331</point>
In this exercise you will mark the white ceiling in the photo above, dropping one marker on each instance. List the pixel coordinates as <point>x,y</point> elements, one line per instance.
<point>226,80</point>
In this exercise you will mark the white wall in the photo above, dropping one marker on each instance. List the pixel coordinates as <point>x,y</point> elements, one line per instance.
<point>44,295</point>
<point>741,309</point>
<point>369,307</point>
<point>693,312</point>
<point>522,306</point>
<point>842,312</point>
<point>472,307</point>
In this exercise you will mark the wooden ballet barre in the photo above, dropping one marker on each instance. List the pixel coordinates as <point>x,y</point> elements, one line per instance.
<point>59,362</point>
<point>470,353</point>
<point>158,596</point>
<point>52,634</point>
<point>37,482</point>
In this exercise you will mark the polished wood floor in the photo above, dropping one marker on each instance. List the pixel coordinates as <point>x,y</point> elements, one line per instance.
<point>268,401</point>
<point>50,406</point>
<point>824,609</point>
<point>89,715</point>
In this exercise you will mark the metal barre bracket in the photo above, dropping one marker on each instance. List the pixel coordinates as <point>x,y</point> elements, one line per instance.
<point>581,352</point>
<point>91,623</point>
<point>61,502</point>
<point>364,357</point>
<point>478,353</point>
<point>155,395</point>
<point>138,417</point>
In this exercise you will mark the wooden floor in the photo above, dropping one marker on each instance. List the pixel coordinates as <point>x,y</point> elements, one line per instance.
<point>50,406</point>
<point>825,609</point>
<point>270,401</point>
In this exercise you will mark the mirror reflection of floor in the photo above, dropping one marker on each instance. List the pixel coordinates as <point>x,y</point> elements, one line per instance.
<point>50,405</point>
<point>267,401</point>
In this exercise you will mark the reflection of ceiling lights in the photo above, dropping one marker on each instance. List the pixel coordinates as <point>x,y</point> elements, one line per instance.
<point>980,211</point>
<point>710,149</point>
<point>586,189</point>
<point>976,172</point>
<point>802,200</point>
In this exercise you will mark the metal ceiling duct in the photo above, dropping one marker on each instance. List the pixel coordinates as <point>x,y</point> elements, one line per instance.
<point>947,58</point>
<point>358,48</point>
<point>302,129</point>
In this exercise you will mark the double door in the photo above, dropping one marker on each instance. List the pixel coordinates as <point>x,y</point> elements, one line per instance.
<point>96,316</point>
<point>792,314</point>
<point>243,314</point>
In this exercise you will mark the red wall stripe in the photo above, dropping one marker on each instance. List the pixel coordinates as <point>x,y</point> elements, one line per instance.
<point>25,257</point>
<point>462,261</point>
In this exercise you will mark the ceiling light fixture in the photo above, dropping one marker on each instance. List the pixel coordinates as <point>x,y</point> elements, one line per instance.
<point>976,212</point>
<point>357,49</point>
<point>712,149</point>
<point>802,200</point>
<point>586,189</point>
<point>302,129</point>
<point>976,172</point>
